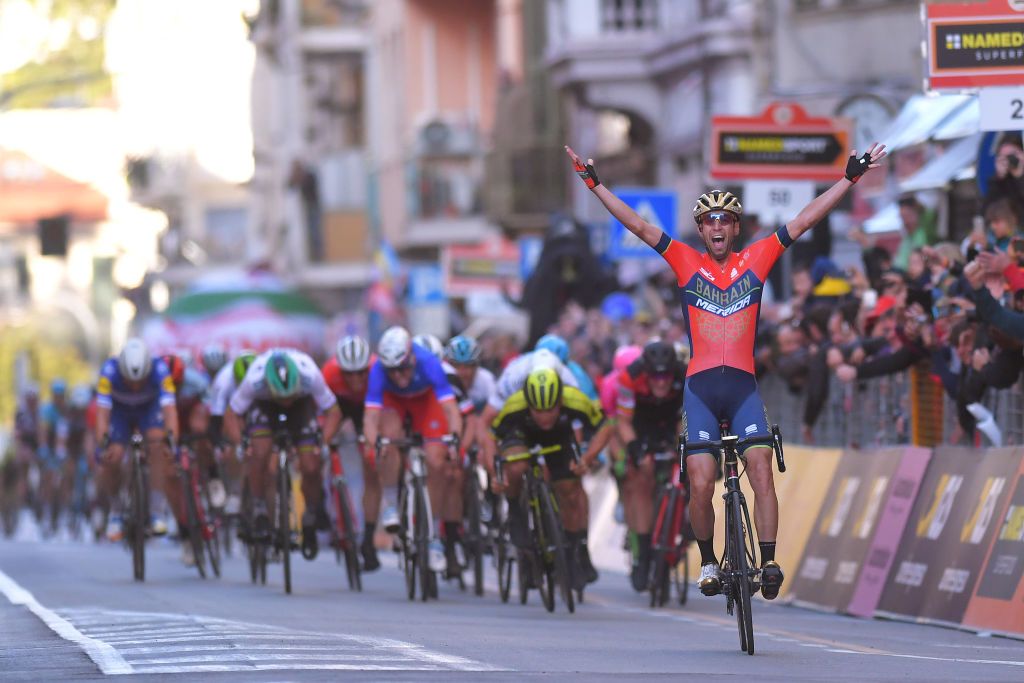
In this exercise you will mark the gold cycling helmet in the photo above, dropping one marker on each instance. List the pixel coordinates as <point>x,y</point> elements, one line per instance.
<point>543,389</point>
<point>717,200</point>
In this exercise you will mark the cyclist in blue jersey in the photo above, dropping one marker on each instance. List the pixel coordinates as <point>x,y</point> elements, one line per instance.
<point>408,381</point>
<point>53,452</point>
<point>136,393</point>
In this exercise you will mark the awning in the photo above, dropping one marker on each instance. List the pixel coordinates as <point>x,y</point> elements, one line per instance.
<point>956,163</point>
<point>920,117</point>
<point>30,191</point>
<point>963,122</point>
<point>886,219</point>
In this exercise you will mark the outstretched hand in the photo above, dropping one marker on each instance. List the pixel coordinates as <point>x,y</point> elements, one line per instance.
<point>858,166</point>
<point>585,171</point>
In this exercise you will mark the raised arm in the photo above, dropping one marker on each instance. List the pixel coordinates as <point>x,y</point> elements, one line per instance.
<point>826,201</point>
<point>616,207</point>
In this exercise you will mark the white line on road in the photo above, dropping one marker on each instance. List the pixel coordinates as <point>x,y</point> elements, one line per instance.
<point>105,657</point>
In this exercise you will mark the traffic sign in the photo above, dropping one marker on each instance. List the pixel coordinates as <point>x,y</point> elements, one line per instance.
<point>776,201</point>
<point>1001,108</point>
<point>784,142</point>
<point>426,284</point>
<point>974,45</point>
<point>657,207</point>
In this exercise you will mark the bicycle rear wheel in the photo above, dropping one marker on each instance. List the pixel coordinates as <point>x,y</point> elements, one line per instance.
<point>503,562</point>
<point>140,517</point>
<point>681,575</point>
<point>555,537</point>
<point>348,535</point>
<point>284,525</point>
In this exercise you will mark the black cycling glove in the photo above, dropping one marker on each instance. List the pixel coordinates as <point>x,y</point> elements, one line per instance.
<point>856,167</point>
<point>587,174</point>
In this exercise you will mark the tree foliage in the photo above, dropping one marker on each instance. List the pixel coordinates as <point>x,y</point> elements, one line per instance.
<point>64,72</point>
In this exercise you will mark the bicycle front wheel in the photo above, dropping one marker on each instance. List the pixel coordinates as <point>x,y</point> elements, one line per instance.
<point>741,568</point>
<point>348,535</point>
<point>556,549</point>
<point>428,581</point>
<point>195,534</point>
<point>139,517</point>
<point>284,526</point>
<point>473,540</point>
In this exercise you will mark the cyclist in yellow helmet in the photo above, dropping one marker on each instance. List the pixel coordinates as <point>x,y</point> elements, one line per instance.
<point>544,413</point>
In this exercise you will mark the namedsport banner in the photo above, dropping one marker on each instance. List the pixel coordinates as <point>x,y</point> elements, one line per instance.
<point>998,602</point>
<point>845,526</point>
<point>951,526</point>
<point>889,530</point>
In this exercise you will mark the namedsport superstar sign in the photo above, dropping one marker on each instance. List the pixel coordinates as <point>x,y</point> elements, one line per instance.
<point>784,142</point>
<point>975,45</point>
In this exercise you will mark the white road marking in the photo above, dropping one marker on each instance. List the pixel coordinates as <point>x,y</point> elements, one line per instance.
<point>105,657</point>
<point>177,643</point>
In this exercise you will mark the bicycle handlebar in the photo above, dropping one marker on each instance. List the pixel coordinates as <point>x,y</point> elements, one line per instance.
<point>774,440</point>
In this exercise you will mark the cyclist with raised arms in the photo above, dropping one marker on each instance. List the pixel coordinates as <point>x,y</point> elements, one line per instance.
<point>721,296</point>
<point>407,382</point>
<point>346,373</point>
<point>649,408</point>
<point>544,413</point>
<point>288,383</point>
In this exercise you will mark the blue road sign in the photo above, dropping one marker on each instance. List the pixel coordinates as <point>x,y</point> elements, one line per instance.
<point>529,254</point>
<point>657,207</point>
<point>426,284</point>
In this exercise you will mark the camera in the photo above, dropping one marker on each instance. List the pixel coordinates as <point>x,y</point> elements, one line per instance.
<point>1012,162</point>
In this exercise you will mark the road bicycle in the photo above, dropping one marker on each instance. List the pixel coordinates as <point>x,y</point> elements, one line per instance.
<point>548,555</point>
<point>416,522</point>
<point>740,572</point>
<point>344,534</point>
<point>669,557</point>
<point>202,529</point>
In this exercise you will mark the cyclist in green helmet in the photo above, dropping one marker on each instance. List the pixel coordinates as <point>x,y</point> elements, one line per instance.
<point>285,382</point>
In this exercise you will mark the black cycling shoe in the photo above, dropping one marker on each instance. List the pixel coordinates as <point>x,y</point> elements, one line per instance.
<point>310,547</point>
<point>638,575</point>
<point>589,571</point>
<point>771,580</point>
<point>370,561</point>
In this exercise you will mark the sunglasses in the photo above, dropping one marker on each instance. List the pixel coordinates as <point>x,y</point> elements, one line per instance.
<point>661,377</point>
<point>400,370</point>
<point>723,217</point>
<point>356,373</point>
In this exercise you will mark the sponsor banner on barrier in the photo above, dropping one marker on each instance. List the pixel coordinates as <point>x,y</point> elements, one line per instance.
<point>845,526</point>
<point>801,491</point>
<point>998,602</point>
<point>951,526</point>
<point>889,530</point>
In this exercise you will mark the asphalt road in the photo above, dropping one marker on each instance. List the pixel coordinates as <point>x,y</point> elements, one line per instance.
<point>176,625</point>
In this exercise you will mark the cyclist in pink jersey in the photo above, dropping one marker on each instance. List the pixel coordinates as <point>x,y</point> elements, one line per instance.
<point>720,291</point>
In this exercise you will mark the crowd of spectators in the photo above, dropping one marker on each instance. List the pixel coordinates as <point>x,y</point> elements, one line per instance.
<point>955,309</point>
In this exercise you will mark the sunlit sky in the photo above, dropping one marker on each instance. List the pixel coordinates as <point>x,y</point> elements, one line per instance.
<point>181,68</point>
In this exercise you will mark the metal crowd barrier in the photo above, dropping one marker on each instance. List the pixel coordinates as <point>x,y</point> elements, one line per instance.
<point>905,408</point>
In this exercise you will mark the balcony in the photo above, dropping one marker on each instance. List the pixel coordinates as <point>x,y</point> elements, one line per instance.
<point>524,186</point>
